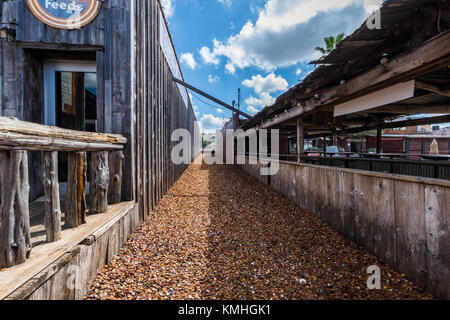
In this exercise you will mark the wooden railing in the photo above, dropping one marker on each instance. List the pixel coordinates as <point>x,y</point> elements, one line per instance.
<point>390,163</point>
<point>16,139</point>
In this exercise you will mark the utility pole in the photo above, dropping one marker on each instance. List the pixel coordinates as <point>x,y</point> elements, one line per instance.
<point>239,98</point>
<point>232,116</point>
<point>238,107</point>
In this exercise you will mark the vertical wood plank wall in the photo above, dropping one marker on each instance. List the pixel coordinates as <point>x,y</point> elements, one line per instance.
<point>105,40</point>
<point>160,111</point>
<point>402,220</point>
<point>136,95</point>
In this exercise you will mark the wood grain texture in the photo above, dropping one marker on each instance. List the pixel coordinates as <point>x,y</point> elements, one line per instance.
<point>76,190</point>
<point>115,176</point>
<point>52,202</point>
<point>402,220</point>
<point>15,126</point>
<point>35,279</point>
<point>98,191</point>
<point>15,223</point>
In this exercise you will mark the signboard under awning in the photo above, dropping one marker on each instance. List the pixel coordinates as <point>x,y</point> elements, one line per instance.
<point>398,92</point>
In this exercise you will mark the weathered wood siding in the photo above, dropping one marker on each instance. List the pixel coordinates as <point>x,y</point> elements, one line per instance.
<point>404,221</point>
<point>136,96</point>
<point>71,275</point>
<point>160,110</point>
<point>107,40</point>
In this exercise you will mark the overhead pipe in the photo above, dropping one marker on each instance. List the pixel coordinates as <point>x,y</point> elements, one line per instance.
<point>223,104</point>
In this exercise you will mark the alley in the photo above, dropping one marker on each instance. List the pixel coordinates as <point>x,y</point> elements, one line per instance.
<point>220,234</point>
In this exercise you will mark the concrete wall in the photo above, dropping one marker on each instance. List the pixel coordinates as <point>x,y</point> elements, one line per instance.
<point>404,221</point>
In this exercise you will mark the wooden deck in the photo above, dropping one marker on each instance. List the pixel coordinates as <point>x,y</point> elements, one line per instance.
<point>45,254</point>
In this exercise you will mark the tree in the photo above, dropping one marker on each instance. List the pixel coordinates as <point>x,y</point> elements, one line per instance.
<point>205,141</point>
<point>331,44</point>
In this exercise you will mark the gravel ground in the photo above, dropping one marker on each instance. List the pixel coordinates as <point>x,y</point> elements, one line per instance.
<point>220,234</point>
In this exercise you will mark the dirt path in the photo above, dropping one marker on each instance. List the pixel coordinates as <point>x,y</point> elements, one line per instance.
<point>220,234</point>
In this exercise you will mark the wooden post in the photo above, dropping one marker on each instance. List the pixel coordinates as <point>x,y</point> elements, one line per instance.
<point>15,245</point>
<point>115,177</point>
<point>300,138</point>
<point>379,140</point>
<point>52,219</point>
<point>98,191</point>
<point>76,190</point>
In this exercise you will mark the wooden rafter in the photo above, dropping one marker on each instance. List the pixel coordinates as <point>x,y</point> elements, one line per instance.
<point>432,88</point>
<point>432,56</point>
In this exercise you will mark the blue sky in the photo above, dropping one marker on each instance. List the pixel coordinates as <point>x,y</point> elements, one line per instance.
<point>260,46</point>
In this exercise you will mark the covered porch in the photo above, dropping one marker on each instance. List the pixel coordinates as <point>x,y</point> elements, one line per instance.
<point>54,246</point>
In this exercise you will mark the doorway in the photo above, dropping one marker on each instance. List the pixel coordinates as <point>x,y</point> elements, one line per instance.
<point>71,94</point>
<point>70,100</point>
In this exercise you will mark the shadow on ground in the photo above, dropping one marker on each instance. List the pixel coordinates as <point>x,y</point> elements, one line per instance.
<point>262,246</point>
<point>221,234</point>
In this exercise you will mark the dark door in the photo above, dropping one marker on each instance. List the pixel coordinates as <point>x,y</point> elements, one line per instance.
<point>76,106</point>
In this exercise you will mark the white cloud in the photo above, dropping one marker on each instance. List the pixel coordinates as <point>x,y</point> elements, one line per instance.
<point>286,32</point>
<point>226,2</point>
<point>196,112</point>
<point>189,60</point>
<point>230,68</point>
<point>210,123</point>
<point>219,110</point>
<point>213,79</point>
<point>263,86</point>
<point>167,7</point>
<point>209,57</point>
<point>298,71</point>
<point>252,110</point>
<point>264,100</point>
<point>269,84</point>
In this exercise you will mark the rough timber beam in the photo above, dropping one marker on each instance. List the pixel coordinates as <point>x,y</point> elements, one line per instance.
<point>432,56</point>
<point>398,124</point>
<point>432,88</point>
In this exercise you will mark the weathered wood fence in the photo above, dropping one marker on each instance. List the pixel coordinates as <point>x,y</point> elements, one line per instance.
<point>402,220</point>
<point>16,138</point>
<point>161,107</point>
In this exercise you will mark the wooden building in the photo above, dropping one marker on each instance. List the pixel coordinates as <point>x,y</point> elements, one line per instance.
<point>394,207</point>
<point>413,145</point>
<point>108,70</point>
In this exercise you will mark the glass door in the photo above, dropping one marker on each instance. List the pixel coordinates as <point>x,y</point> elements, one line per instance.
<point>70,94</point>
<point>76,100</point>
<point>70,100</point>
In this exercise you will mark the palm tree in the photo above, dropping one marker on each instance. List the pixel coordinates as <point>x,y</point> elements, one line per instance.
<point>331,44</point>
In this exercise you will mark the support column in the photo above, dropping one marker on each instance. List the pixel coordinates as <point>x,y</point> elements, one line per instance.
<point>300,138</point>
<point>379,140</point>
<point>52,219</point>
<point>98,191</point>
<point>15,238</point>
<point>115,177</point>
<point>76,190</point>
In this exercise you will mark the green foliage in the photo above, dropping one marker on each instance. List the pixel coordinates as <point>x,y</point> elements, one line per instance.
<point>205,142</point>
<point>330,44</point>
